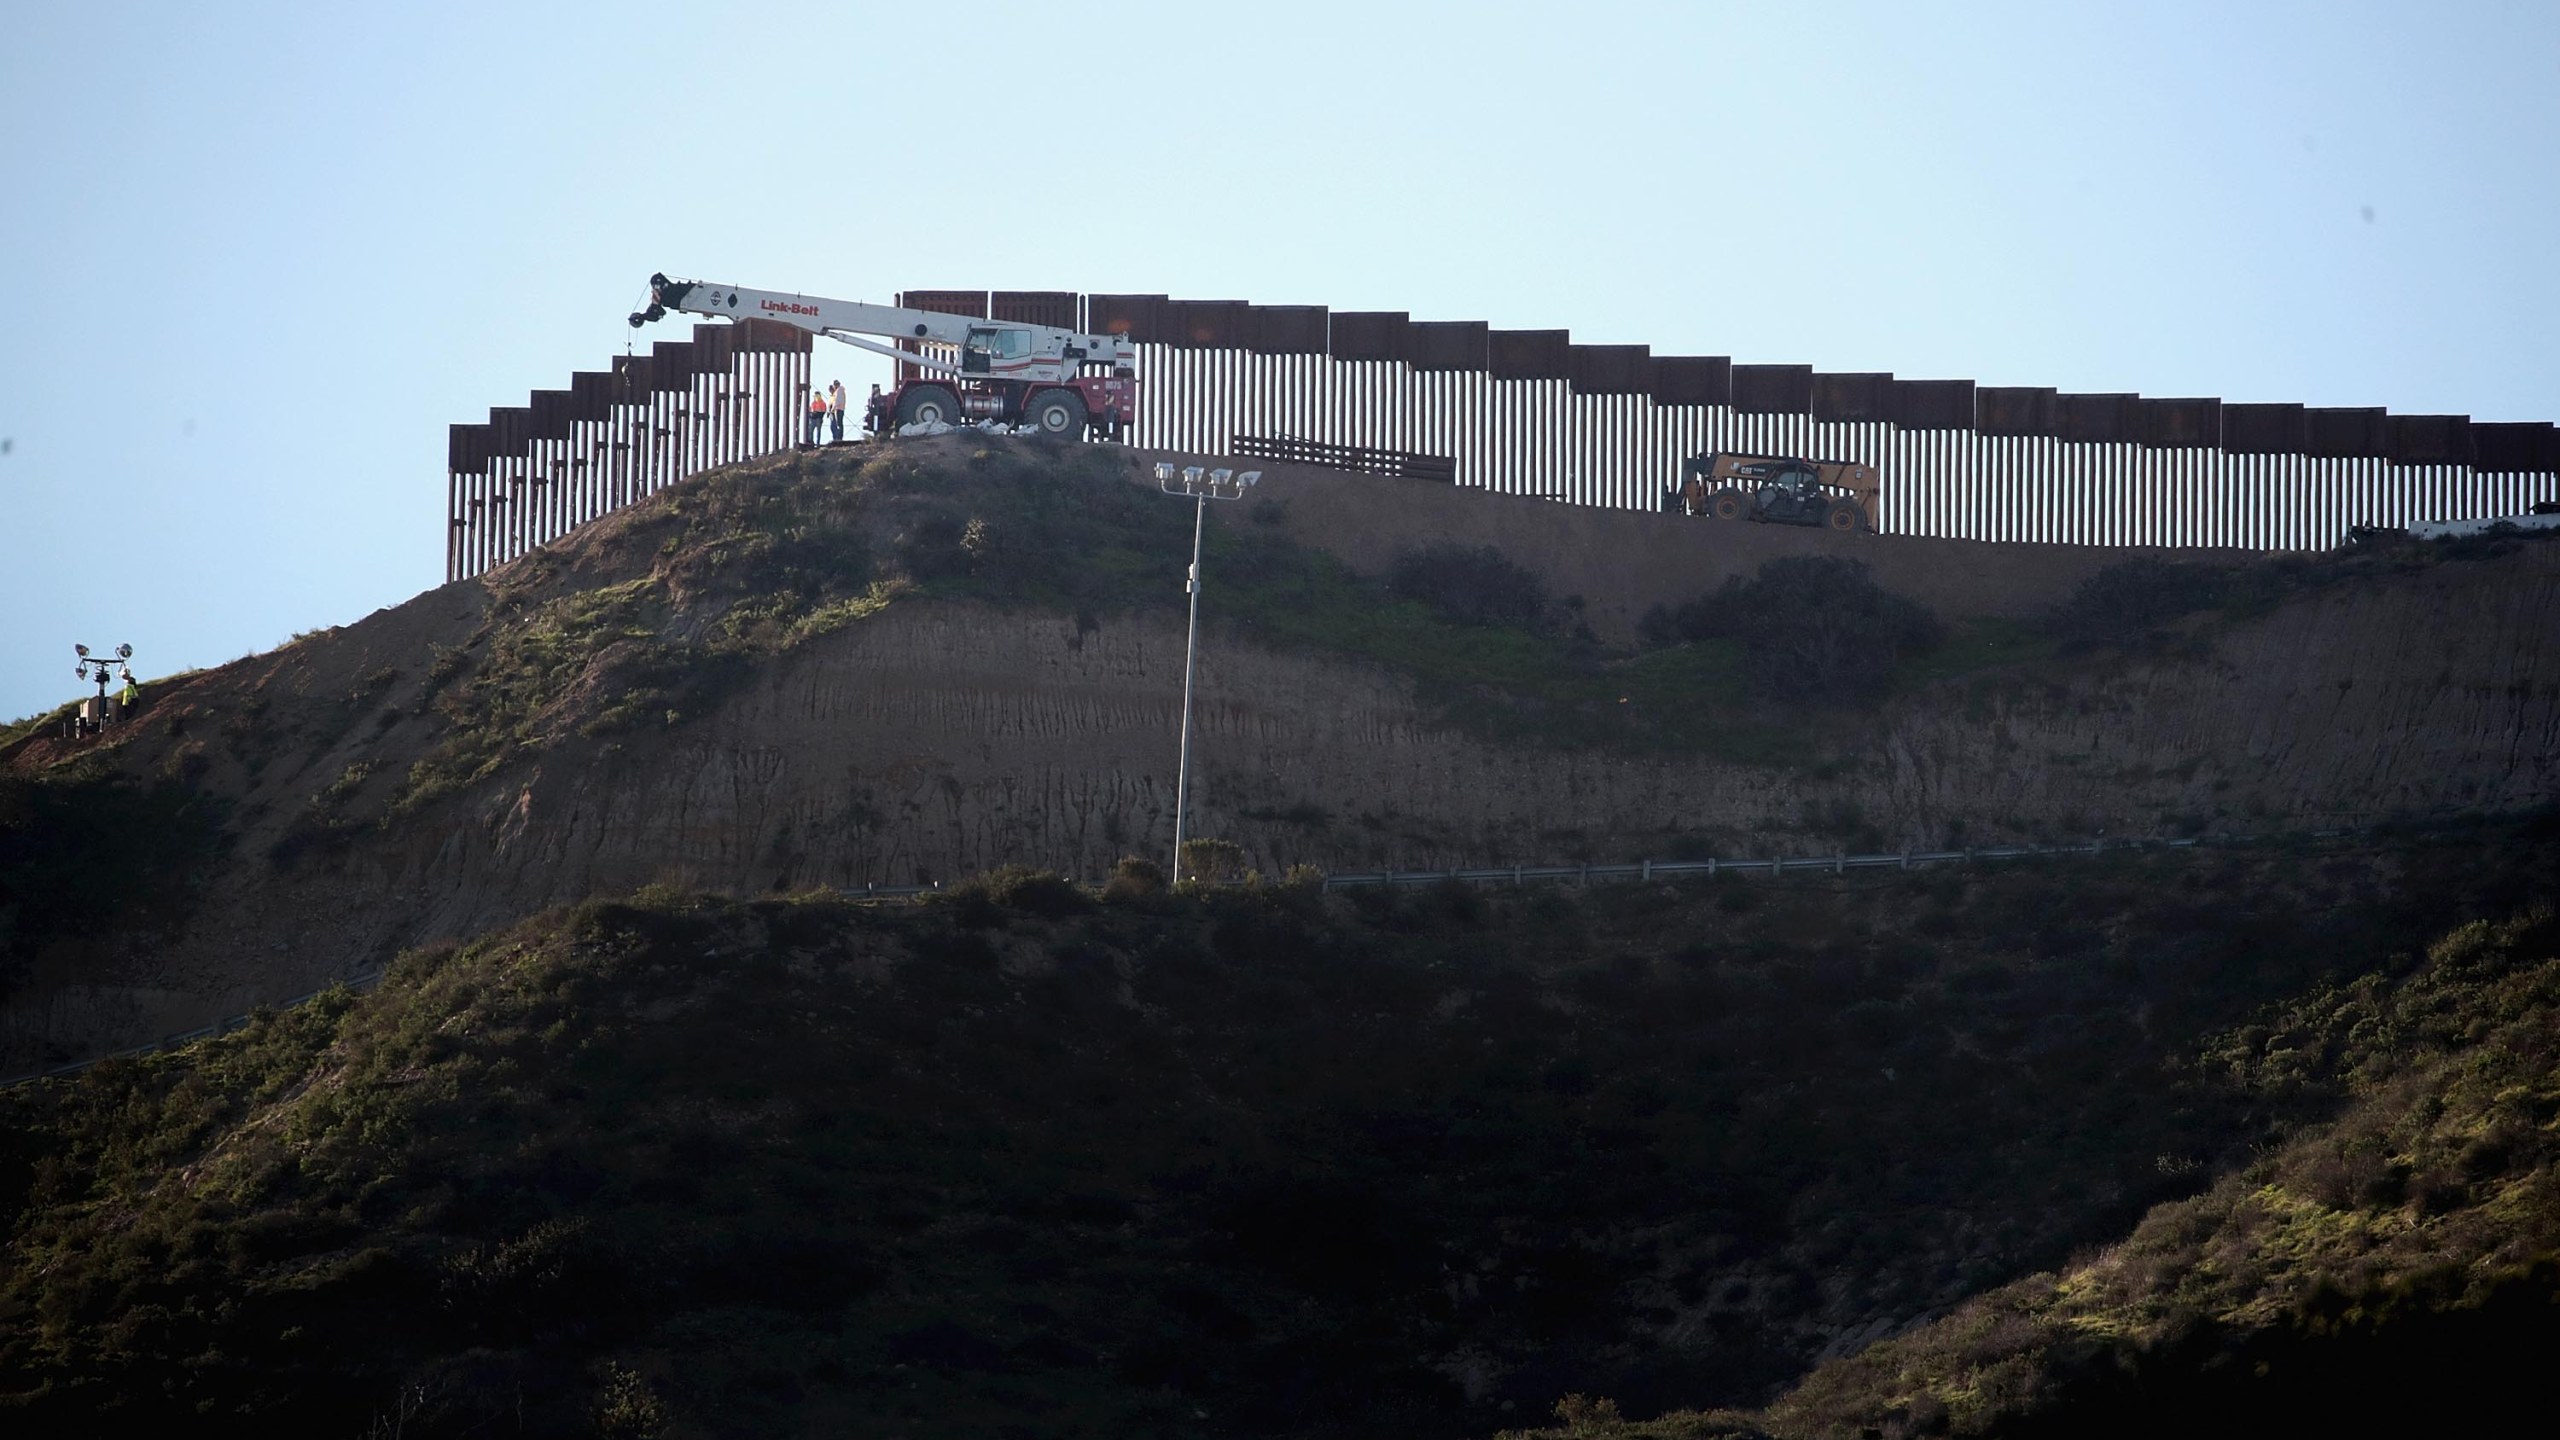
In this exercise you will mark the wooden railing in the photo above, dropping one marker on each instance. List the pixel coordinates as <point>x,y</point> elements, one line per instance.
<point>1403,464</point>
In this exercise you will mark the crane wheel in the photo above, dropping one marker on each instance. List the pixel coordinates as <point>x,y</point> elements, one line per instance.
<point>1845,517</point>
<point>1727,505</point>
<point>1057,414</point>
<point>929,404</point>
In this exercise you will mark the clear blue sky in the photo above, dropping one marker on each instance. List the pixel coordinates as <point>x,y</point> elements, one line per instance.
<point>260,256</point>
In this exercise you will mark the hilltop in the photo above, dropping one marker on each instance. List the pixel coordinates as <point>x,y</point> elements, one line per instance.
<point>1266,1161</point>
<point>921,660</point>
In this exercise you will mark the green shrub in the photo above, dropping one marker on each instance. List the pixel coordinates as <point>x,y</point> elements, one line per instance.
<point>932,541</point>
<point>1030,891</point>
<point>2389,1236</point>
<point>1588,1415</point>
<point>1470,586</point>
<point>2127,604</point>
<point>1811,627</point>
<point>1212,860</point>
<point>1134,878</point>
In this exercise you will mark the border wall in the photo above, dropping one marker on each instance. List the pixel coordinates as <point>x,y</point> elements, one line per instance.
<point>1529,412</point>
<point>532,473</point>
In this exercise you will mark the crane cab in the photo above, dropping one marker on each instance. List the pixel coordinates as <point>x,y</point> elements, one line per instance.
<point>998,350</point>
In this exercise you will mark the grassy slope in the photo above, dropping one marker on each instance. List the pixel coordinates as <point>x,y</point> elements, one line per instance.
<point>653,615</point>
<point>1253,1163</point>
<point>2392,1270</point>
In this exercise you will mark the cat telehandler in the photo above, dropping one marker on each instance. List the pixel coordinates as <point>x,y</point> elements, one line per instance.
<point>1781,489</point>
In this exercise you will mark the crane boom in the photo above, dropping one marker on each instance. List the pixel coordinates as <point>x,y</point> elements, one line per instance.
<point>1060,380</point>
<point>810,312</point>
<point>1045,347</point>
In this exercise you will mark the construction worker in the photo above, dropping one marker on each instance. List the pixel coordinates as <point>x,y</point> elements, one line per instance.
<point>875,411</point>
<point>835,410</point>
<point>132,695</point>
<point>817,413</point>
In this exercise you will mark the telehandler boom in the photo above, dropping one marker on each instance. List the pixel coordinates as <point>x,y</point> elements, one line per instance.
<point>1835,494</point>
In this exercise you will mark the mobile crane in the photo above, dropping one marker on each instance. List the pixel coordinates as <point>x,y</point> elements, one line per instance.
<point>1059,382</point>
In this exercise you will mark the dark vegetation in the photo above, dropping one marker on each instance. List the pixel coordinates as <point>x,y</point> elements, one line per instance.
<point>2139,604</point>
<point>1817,631</point>
<point>1258,1161</point>
<point>1811,628</point>
<point>85,852</point>
<point>2135,602</point>
<point>2394,1270</point>
<point>1465,585</point>
<point>1543,681</point>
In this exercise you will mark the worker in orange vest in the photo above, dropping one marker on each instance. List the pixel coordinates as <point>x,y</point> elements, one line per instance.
<point>817,412</point>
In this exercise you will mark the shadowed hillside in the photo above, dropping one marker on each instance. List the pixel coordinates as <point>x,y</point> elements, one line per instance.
<point>1255,1162</point>
<point>2393,1270</point>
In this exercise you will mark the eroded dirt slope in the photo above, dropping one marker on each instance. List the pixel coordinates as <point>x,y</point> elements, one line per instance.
<point>930,738</point>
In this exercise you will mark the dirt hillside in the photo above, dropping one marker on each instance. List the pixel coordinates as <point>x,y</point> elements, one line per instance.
<point>891,736</point>
<point>1624,563</point>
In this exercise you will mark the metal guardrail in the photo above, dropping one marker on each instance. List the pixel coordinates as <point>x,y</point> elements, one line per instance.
<point>889,892</point>
<point>1650,870</point>
<point>1642,871</point>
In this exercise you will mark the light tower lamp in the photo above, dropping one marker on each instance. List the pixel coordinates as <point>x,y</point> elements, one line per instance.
<point>1202,485</point>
